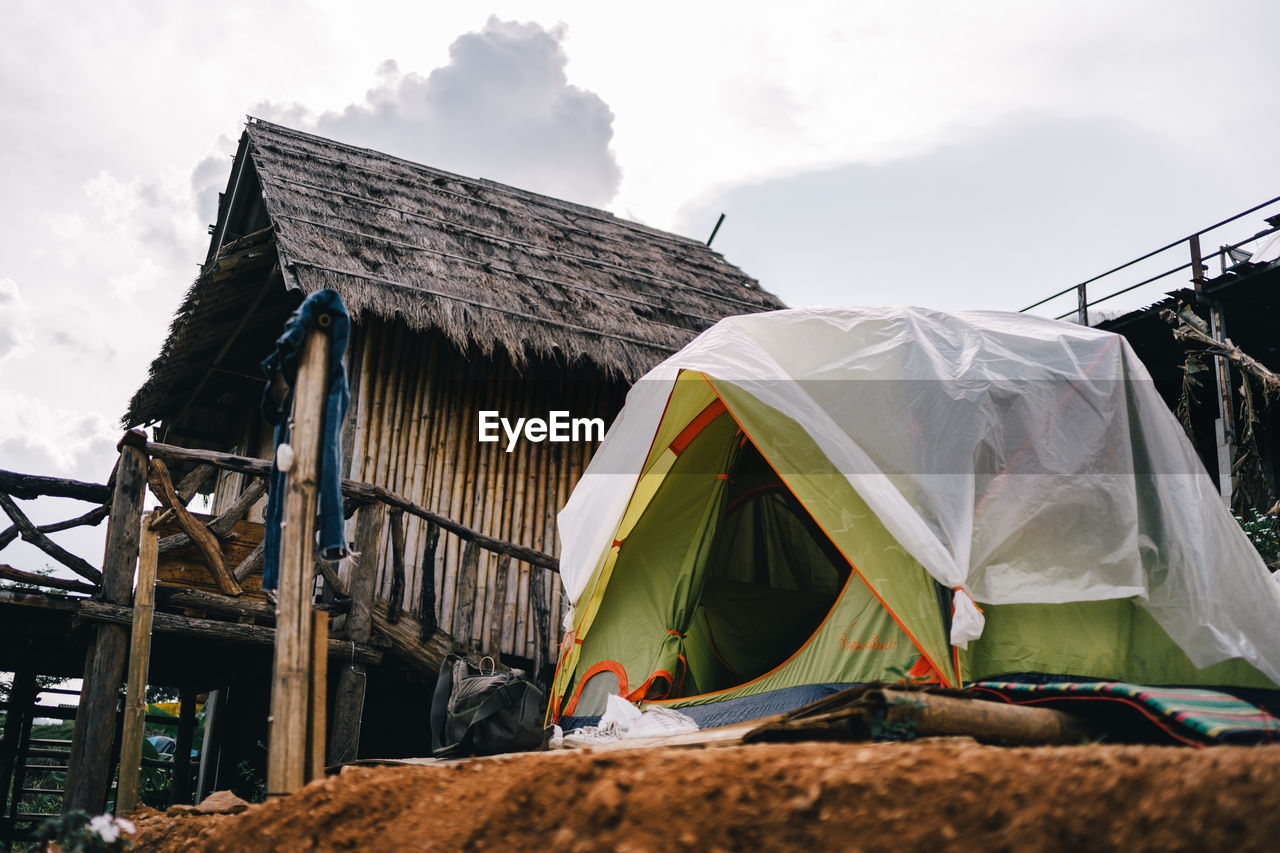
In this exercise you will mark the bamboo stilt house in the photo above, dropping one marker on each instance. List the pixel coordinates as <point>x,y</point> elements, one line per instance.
<point>466,295</point>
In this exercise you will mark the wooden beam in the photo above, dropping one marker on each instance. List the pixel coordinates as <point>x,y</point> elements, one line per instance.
<point>29,486</point>
<point>10,573</point>
<point>89,766</point>
<point>287,737</point>
<point>210,549</point>
<point>405,639</point>
<point>222,526</point>
<point>214,629</point>
<point>135,704</point>
<point>200,600</point>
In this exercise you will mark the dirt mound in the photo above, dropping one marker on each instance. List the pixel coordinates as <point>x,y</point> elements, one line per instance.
<point>809,796</point>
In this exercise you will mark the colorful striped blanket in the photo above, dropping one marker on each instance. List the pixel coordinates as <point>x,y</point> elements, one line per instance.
<point>1188,714</point>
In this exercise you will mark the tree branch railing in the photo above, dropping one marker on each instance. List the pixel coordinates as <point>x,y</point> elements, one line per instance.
<point>420,623</point>
<point>14,487</point>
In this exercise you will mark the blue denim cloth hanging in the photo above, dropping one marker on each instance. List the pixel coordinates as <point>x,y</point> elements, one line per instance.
<point>276,411</point>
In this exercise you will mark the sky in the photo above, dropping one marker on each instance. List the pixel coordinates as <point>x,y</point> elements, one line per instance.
<point>975,155</point>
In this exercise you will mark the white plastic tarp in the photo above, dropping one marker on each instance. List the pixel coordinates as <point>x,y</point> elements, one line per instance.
<point>1018,459</point>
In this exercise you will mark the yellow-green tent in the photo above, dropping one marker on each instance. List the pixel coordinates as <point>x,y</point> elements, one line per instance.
<point>811,498</point>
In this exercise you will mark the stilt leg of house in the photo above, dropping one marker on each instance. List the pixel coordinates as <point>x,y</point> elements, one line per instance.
<point>21,696</point>
<point>180,792</point>
<point>89,768</point>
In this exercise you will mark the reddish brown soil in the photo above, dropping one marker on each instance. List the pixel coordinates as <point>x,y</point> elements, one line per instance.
<point>810,796</point>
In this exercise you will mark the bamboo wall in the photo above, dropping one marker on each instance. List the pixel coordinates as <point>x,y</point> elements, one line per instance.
<point>412,428</point>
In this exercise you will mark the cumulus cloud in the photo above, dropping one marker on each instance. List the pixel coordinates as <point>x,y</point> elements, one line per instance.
<point>15,324</point>
<point>502,108</point>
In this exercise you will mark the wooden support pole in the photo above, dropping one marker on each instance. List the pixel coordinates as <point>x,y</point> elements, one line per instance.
<point>319,692</point>
<point>348,701</point>
<point>180,789</point>
<point>396,598</point>
<point>499,606</point>
<point>427,596</point>
<point>89,767</point>
<point>21,697</point>
<point>464,617</point>
<point>135,704</point>
<point>288,743</point>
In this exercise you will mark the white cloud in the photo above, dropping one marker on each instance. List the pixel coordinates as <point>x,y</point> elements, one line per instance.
<point>15,323</point>
<point>502,108</point>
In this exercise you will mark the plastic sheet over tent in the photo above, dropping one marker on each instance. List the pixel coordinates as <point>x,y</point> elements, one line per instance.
<point>1019,460</point>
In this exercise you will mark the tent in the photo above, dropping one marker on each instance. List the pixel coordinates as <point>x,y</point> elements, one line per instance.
<point>823,497</point>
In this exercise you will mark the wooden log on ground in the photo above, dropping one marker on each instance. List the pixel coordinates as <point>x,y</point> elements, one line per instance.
<point>162,488</point>
<point>288,745</point>
<point>135,705</point>
<point>30,533</point>
<point>395,602</point>
<point>92,518</point>
<point>348,701</point>
<point>10,573</point>
<point>213,629</point>
<point>863,712</point>
<point>30,486</point>
<point>89,765</point>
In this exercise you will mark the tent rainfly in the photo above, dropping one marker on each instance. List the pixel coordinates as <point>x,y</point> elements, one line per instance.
<point>818,497</point>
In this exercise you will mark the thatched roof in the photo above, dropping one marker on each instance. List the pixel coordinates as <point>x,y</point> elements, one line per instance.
<point>488,265</point>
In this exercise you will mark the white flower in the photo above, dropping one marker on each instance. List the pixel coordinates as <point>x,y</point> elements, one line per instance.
<point>106,828</point>
<point>126,825</point>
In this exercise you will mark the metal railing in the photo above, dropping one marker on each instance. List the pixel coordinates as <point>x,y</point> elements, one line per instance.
<point>1195,263</point>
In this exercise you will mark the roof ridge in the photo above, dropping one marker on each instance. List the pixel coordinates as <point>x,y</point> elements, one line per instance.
<point>489,183</point>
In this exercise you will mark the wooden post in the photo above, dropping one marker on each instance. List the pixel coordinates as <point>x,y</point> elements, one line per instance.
<point>319,691</point>
<point>135,703</point>
<point>287,740</point>
<point>348,701</point>
<point>396,599</point>
<point>180,788</point>
<point>22,694</point>
<point>89,767</point>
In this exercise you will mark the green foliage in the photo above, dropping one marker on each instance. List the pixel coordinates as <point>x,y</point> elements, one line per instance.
<point>76,832</point>
<point>257,786</point>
